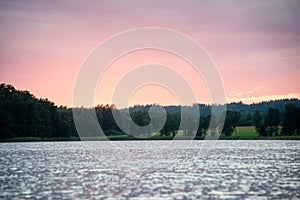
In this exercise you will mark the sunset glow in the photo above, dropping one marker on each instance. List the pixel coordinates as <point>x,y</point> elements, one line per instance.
<point>255,46</point>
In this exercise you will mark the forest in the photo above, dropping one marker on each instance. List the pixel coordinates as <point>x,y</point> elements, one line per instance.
<point>24,115</point>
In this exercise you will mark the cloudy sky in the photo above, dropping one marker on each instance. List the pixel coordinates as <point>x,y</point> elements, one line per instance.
<point>254,44</point>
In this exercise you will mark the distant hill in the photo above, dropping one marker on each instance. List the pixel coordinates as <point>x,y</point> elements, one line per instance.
<point>263,106</point>
<point>239,107</point>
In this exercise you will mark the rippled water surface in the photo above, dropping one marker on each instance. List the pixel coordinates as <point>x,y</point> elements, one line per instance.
<point>151,169</point>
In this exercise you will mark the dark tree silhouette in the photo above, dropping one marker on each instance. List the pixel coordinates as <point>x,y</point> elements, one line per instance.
<point>231,120</point>
<point>259,123</point>
<point>24,115</point>
<point>272,121</point>
<point>291,123</point>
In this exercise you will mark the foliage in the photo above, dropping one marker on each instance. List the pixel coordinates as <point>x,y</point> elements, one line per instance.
<point>24,115</point>
<point>231,120</point>
<point>291,123</point>
<point>267,124</point>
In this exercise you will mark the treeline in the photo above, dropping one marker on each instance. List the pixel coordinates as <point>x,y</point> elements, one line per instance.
<point>173,121</point>
<point>245,109</point>
<point>267,124</point>
<point>24,115</point>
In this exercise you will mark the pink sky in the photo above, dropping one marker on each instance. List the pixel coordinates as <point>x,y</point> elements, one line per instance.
<point>254,44</point>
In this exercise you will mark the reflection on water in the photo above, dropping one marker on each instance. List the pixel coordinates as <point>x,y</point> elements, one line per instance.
<point>150,169</point>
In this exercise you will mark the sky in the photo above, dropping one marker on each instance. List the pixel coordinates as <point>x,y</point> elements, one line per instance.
<point>255,46</point>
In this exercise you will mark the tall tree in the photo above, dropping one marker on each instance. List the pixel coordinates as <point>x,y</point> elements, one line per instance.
<point>272,121</point>
<point>171,126</point>
<point>203,126</point>
<point>259,123</point>
<point>291,123</point>
<point>231,120</point>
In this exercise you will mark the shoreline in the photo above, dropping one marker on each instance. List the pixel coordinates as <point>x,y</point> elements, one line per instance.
<point>129,138</point>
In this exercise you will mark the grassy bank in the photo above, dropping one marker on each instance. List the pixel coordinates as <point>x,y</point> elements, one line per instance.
<point>241,133</point>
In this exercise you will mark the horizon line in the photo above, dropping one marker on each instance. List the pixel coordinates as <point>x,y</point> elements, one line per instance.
<point>235,101</point>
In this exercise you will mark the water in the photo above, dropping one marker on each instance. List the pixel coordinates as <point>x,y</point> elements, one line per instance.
<point>150,170</point>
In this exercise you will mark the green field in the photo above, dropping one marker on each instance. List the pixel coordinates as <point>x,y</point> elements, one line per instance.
<point>241,133</point>
<point>246,132</point>
<point>249,133</point>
